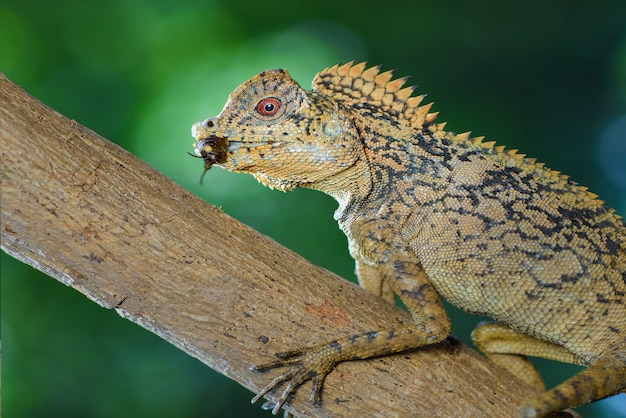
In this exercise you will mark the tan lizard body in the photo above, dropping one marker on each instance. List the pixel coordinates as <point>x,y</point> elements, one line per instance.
<point>431,214</point>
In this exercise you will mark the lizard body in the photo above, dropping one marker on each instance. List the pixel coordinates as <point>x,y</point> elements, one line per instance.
<point>430,214</point>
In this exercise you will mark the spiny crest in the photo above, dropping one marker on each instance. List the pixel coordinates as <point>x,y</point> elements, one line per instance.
<point>354,85</point>
<point>512,158</point>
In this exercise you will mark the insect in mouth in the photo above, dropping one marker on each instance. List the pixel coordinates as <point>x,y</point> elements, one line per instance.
<point>212,149</point>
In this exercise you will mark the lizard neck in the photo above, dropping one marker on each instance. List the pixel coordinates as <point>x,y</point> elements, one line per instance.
<point>350,188</point>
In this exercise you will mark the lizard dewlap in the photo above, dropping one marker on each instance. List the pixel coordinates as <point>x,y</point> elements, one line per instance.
<point>430,214</point>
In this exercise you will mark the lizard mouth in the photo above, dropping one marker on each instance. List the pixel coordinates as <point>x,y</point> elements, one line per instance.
<point>214,149</point>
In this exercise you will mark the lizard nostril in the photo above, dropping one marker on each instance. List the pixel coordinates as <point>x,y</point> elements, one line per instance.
<point>209,123</point>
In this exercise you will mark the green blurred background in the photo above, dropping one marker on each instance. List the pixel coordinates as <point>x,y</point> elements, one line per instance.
<point>548,78</point>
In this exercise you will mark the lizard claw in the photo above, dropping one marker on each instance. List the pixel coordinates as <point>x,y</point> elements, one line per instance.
<point>304,365</point>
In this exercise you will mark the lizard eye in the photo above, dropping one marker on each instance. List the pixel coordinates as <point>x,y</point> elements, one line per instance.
<point>268,106</point>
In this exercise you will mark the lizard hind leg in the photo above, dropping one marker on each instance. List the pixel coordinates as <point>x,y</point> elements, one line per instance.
<point>508,349</point>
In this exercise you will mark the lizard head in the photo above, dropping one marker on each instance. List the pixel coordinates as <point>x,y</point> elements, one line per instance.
<point>283,135</point>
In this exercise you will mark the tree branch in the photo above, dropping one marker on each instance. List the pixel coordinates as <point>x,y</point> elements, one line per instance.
<point>86,212</point>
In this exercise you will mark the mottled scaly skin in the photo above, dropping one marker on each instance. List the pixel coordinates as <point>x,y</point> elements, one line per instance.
<point>431,214</point>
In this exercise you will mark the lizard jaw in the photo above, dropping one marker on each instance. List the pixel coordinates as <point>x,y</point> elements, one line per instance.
<point>221,148</point>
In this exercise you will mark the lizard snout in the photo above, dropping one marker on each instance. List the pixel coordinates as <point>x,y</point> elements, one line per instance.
<point>202,129</point>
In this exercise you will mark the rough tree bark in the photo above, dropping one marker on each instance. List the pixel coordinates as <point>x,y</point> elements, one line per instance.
<point>89,214</point>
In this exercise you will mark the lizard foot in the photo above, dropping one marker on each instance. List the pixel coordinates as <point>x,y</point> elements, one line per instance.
<point>304,364</point>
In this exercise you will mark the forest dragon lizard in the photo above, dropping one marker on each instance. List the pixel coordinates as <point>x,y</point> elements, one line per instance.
<point>431,214</point>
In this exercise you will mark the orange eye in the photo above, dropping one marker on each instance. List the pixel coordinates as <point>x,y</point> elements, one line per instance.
<point>268,106</point>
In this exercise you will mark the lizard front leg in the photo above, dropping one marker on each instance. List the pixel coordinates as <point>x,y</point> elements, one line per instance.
<point>371,280</point>
<point>405,276</point>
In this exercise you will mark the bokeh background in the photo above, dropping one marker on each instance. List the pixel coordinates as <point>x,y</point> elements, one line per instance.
<point>547,77</point>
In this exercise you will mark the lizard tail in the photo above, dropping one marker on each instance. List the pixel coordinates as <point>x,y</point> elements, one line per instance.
<point>604,378</point>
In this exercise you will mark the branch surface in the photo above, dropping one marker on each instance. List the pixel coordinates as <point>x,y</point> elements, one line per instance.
<point>89,214</point>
